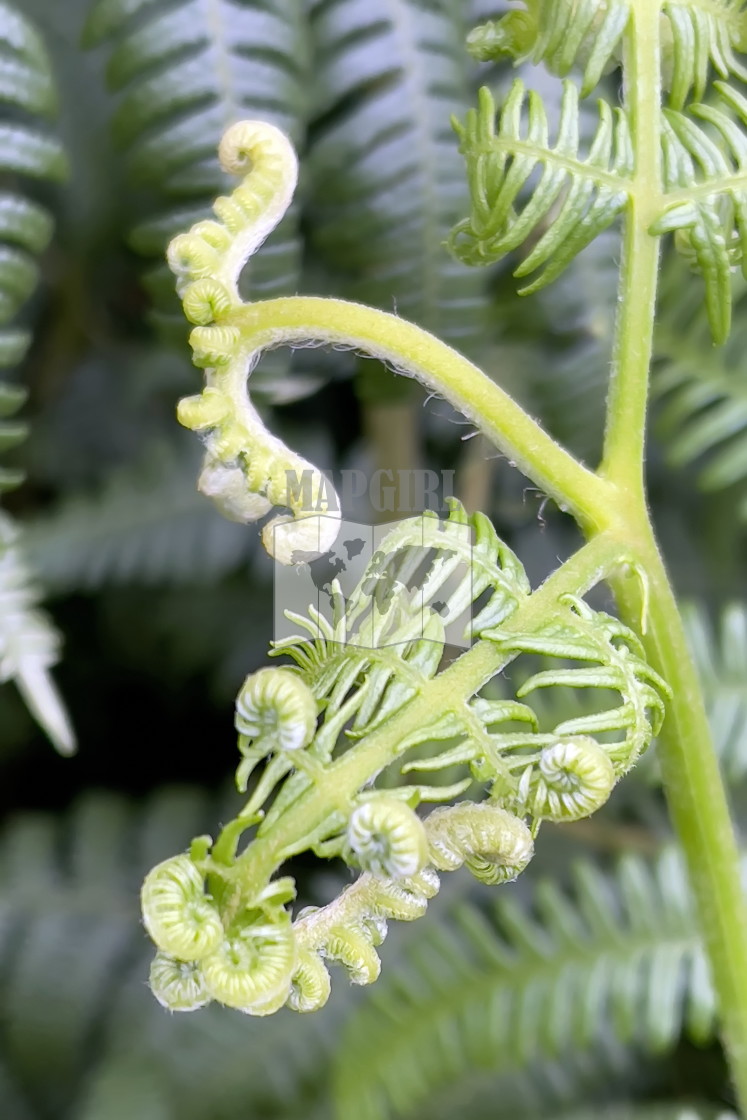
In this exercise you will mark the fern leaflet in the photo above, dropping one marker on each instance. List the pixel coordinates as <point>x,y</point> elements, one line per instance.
<point>29,644</point>
<point>500,162</point>
<point>185,72</point>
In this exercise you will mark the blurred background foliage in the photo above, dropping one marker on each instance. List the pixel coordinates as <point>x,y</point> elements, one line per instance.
<point>580,991</point>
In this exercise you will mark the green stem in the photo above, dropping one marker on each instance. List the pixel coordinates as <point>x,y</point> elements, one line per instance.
<point>692,781</point>
<point>625,435</point>
<point>445,692</point>
<point>414,352</point>
<point>697,802</point>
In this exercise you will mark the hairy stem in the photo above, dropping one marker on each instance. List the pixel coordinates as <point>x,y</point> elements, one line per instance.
<point>694,787</point>
<point>625,435</point>
<point>353,770</point>
<point>698,803</point>
<point>414,352</point>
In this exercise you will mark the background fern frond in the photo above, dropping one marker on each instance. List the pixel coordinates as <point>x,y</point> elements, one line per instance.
<point>84,1037</point>
<point>720,653</point>
<point>386,181</point>
<point>501,992</point>
<point>185,71</point>
<point>701,401</point>
<point>500,163</point>
<point>29,644</point>
<point>146,524</point>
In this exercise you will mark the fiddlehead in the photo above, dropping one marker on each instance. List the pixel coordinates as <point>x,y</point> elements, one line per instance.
<point>246,470</point>
<point>360,704</point>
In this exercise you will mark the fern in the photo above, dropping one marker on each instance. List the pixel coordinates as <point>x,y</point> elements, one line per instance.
<point>82,1037</point>
<point>501,161</point>
<point>701,415</point>
<point>587,35</point>
<point>386,182</point>
<point>575,198</point>
<point>503,992</point>
<point>29,645</point>
<point>147,524</point>
<point>185,70</point>
<point>720,653</point>
<point>701,34</point>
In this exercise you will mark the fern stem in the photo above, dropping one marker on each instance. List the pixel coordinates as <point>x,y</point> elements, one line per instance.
<point>694,788</point>
<point>415,353</point>
<point>360,764</point>
<point>623,457</point>
<point>697,802</point>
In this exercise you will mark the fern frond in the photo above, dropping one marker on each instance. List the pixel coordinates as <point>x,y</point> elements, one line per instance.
<point>701,403</point>
<point>185,72</point>
<point>29,644</point>
<point>501,162</point>
<point>561,33</point>
<point>386,182</point>
<point>84,1037</point>
<point>720,653</point>
<point>586,35</point>
<point>704,177</point>
<point>703,35</point>
<point>26,149</point>
<point>147,524</point>
<point>500,992</point>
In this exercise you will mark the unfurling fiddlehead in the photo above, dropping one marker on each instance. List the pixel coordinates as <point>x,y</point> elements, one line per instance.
<point>246,470</point>
<point>363,700</point>
<point>336,747</point>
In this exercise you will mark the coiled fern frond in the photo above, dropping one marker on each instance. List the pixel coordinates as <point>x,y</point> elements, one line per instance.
<point>522,984</point>
<point>84,1037</point>
<point>314,739</point>
<point>29,644</point>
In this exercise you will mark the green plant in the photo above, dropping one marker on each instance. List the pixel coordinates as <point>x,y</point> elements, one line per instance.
<point>666,162</point>
<point>598,963</point>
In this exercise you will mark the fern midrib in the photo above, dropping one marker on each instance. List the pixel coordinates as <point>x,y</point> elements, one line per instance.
<point>707,190</point>
<point>576,168</point>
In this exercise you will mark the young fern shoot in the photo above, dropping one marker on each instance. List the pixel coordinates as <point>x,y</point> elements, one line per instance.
<point>334,748</point>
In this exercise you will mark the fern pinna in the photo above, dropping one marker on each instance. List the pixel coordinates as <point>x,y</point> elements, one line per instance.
<point>29,644</point>
<point>340,748</point>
